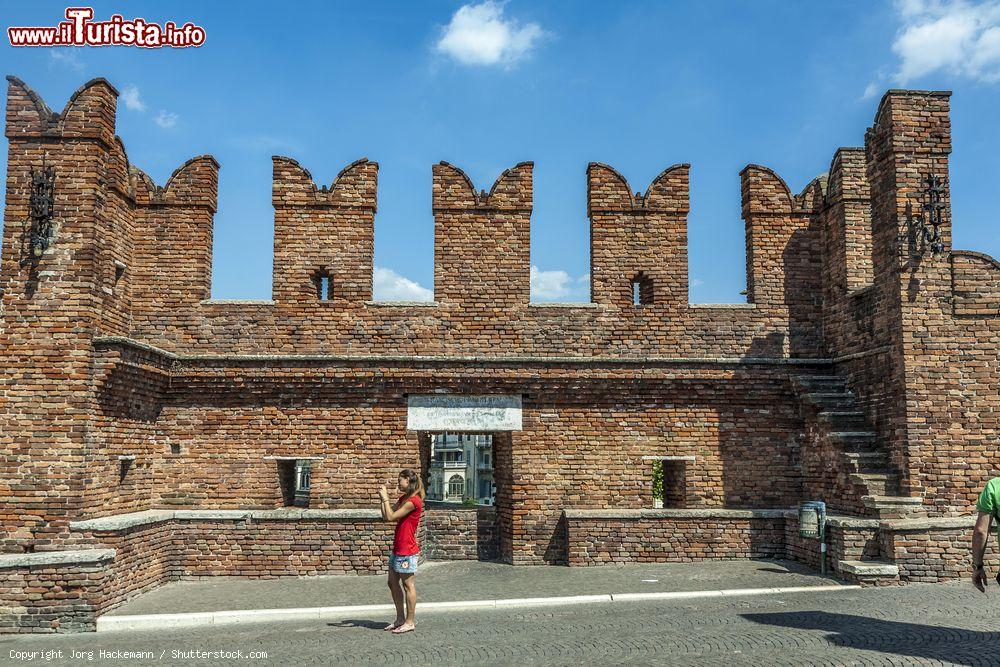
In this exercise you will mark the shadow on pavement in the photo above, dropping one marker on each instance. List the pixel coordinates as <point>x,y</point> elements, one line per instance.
<point>359,623</point>
<point>914,640</point>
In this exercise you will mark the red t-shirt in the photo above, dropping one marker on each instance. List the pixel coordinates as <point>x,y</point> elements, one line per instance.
<point>405,541</point>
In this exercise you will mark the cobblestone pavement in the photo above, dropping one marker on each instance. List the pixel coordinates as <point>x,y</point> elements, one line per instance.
<point>917,624</point>
<point>469,580</point>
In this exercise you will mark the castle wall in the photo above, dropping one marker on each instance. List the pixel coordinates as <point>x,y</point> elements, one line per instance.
<point>126,388</point>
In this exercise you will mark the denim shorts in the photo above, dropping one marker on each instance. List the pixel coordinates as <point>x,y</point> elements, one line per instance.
<point>404,564</point>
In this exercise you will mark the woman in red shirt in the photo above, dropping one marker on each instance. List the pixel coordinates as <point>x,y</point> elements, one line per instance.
<point>405,550</point>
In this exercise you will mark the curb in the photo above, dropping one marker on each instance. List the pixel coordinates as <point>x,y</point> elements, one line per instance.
<point>243,616</point>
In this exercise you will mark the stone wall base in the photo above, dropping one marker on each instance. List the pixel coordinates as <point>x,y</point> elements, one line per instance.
<point>65,591</point>
<point>860,550</point>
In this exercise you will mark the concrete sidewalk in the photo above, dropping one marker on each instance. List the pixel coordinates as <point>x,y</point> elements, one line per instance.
<point>454,581</point>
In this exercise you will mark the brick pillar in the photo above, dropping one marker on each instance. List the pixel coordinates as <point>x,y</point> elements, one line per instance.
<point>782,256</point>
<point>482,240</point>
<point>50,311</point>
<point>638,238</point>
<point>173,239</point>
<point>328,231</point>
<point>910,139</point>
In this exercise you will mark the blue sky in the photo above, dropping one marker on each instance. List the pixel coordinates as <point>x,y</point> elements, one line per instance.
<point>638,85</point>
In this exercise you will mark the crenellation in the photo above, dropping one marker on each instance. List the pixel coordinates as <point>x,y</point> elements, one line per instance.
<point>638,244</point>
<point>324,238</point>
<point>862,368</point>
<point>90,113</point>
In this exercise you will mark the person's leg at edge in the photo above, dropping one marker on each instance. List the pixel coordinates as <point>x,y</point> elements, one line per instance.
<point>397,599</point>
<point>410,588</point>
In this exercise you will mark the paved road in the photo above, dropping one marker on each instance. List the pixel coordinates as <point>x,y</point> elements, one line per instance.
<point>929,624</point>
<point>469,580</point>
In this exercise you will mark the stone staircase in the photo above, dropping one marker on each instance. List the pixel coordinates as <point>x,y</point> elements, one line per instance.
<point>855,470</point>
<point>847,431</point>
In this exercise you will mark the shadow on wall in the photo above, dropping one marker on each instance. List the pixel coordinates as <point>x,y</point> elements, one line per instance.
<point>759,440</point>
<point>802,286</point>
<point>912,640</point>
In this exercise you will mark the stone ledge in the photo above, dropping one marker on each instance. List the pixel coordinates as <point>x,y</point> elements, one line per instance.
<point>946,522</point>
<point>236,302</point>
<point>42,558</point>
<point>564,304</point>
<point>422,304</point>
<point>704,513</point>
<point>738,306</point>
<point>119,522</point>
<point>862,568</point>
<point>463,359</point>
<point>122,521</point>
<point>852,522</point>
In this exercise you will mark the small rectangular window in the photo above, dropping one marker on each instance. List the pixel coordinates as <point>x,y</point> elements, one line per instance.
<point>125,464</point>
<point>323,282</point>
<point>670,483</point>
<point>642,290</point>
<point>119,272</point>
<point>303,481</point>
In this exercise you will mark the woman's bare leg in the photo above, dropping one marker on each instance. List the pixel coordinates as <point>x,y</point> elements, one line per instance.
<point>397,599</point>
<point>410,588</point>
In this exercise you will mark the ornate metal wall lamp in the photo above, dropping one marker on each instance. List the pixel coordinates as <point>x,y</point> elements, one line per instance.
<point>931,220</point>
<point>40,209</point>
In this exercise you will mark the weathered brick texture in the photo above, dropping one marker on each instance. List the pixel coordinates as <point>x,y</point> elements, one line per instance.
<point>862,369</point>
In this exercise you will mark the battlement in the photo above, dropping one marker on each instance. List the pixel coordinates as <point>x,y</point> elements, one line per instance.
<point>194,183</point>
<point>859,314</point>
<point>89,113</point>
<point>453,190</point>
<point>154,265</point>
<point>356,186</point>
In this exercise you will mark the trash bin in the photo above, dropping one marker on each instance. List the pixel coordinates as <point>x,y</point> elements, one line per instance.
<point>812,524</point>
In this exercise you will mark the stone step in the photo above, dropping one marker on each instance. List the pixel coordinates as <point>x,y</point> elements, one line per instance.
<point>868,572</point>
<point>877,483</point>
<point>821,380</point>
<point>894,507</point>
<point>829,400</point>
<point>867,462</point>
<point>838,419</point>
<point>854,441</point>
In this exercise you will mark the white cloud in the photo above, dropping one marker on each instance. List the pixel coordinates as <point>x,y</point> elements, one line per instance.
<point>955,37</point>
<point>558,286</point>
<point>390,286</point>
<point>481,35</point>
<point>165,119</point>
<point>871,90</point>
<point>697,282</point>
<point>130,96</point>
<point>66,57</point>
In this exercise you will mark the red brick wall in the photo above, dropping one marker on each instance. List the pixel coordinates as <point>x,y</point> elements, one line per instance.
<point>929,554</point>
<point>951,356</point>
<point>458,532</point>
<point>668,378</point>
<point>50,311</point>
<point>679,540</point>
<point>52,598</point>
<point>783,257</point>
<point>632,237</point>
